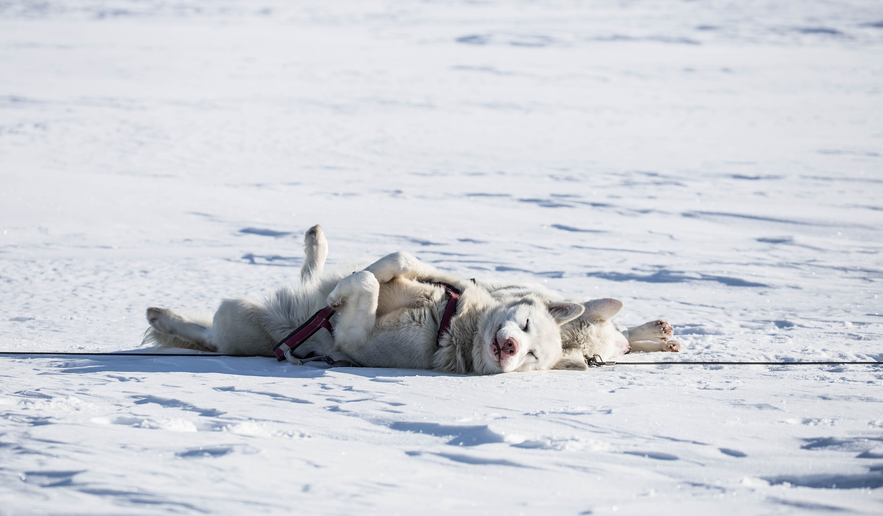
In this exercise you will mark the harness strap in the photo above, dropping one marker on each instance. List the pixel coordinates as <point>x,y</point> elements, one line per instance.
<point>451,308</point>
<point>319,320</point>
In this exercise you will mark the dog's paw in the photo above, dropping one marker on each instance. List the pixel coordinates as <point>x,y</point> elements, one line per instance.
<point>337,297</point>
<point>665,329</point>
<point>672,346</point>
<point>314,237</point>
<point>162,319</point>
<point>314,233</point>
<point>335,300</point>
<point>353,287</point>
<point>659,331</point>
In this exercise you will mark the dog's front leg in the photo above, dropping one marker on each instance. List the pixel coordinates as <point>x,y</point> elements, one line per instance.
<point>355,299</point>
<point>652,336</point>
<point>401,264</point>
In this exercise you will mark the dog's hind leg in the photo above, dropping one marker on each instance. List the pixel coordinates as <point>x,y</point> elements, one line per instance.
<point>172,323</point>
<point>652,336</point>
<point>238,328</point>
<point>355,298</point>
<point>316,250</point>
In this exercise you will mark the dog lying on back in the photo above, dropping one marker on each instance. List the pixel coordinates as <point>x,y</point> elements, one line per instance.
<point>388,314</point>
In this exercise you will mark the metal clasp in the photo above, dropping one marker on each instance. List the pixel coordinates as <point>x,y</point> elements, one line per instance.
<point>595,361</point>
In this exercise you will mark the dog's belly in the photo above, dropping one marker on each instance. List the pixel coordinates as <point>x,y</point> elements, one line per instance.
<point>405,338</point>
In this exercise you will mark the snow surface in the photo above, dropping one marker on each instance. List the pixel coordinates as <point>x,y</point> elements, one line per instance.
<point>716,163</point>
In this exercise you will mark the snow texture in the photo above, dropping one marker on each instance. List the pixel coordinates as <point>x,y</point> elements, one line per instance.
<point>715,163</point>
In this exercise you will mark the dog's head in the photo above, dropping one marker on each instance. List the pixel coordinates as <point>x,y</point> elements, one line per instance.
<point>522,335</point>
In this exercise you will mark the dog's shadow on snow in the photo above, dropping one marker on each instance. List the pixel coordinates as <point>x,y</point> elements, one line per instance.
<point>203,364</point>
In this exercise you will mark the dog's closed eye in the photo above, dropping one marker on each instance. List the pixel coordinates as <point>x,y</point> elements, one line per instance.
<point>526,326</point>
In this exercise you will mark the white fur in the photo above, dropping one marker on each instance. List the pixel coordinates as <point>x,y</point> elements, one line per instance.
<point>388,315</point>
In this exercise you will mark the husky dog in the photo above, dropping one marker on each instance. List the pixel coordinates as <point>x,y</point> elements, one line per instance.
<point>388,314</point>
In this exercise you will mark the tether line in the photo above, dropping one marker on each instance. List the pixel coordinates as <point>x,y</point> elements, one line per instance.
<point>702,362</point>
<point>203,354</point>
<point>124,354</point>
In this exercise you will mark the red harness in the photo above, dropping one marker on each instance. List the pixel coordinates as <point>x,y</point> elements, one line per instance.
<point>322,319</point>
<point>319,320</point>
<point>450,309</point>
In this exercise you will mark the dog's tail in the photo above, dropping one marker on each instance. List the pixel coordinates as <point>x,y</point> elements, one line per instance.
<point>158,340</point>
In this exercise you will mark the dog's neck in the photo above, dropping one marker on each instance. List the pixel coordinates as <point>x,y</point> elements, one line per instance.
<point>455,353</point>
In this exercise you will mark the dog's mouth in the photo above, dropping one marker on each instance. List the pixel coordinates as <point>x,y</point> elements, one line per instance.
<point>495,348</point>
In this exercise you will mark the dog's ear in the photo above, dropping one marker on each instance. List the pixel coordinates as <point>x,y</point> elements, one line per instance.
<point>571,364</point>
<point>564,312</point>
<point>603,309</point>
